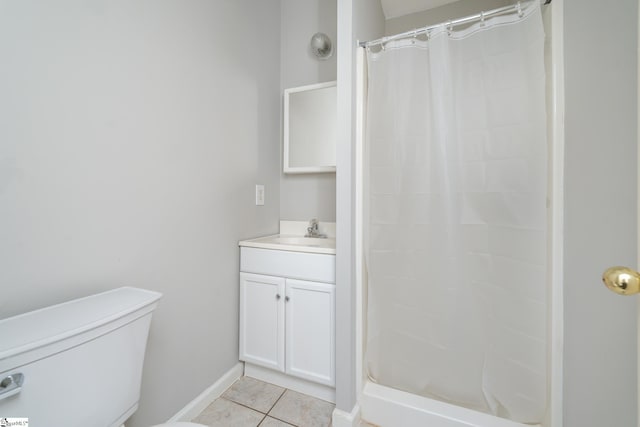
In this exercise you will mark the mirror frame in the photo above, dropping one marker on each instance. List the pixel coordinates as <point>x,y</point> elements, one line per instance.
<point>287,168</point>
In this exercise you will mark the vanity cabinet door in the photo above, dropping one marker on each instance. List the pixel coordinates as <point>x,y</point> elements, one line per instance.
<point>310,331</point>
<point>262,320</point>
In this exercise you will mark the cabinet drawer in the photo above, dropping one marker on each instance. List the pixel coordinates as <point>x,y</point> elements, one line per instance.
<point>295,265</point>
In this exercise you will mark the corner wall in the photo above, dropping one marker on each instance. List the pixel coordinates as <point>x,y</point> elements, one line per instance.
<point>306,196</point>
<point>132,135</point>
<point>358,20</point>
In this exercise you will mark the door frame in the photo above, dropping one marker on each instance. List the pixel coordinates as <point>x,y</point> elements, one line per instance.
<point>638,210</point>
<point>556,341</point>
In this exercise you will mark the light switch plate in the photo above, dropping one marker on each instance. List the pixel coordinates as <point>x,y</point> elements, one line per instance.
<point>259,195</point>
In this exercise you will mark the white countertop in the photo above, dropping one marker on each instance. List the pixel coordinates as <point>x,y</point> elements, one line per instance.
<point>293,243</point>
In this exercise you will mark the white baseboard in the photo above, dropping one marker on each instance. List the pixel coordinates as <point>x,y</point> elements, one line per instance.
<point>346,419</point>
<point>197,405</point>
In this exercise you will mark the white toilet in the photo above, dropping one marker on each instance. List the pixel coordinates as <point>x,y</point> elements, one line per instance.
<point>78,363</point>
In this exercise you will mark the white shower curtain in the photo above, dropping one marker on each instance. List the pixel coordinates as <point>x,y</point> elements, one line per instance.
<point>456,216</point>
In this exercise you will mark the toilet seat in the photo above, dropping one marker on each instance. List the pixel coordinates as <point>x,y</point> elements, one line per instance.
<point>179,424</point>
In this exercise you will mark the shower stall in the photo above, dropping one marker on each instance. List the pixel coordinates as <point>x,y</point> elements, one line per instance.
<point>459,169</point>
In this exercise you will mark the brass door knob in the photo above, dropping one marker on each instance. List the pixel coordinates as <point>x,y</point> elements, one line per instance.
<point>622,280</point>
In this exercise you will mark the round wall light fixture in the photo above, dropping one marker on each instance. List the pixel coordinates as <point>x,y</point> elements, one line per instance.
<point>321,46</point>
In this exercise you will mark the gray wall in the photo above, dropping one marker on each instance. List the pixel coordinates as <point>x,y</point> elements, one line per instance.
<point>132,134</point>
<point>308,195</point>
<point>600,358</point>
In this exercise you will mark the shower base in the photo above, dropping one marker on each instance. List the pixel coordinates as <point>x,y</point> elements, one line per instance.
<point>386,406</point>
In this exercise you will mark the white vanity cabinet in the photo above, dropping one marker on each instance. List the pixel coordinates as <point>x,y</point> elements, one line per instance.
<point>287,318</point>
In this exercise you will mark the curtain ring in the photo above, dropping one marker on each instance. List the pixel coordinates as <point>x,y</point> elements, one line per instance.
<point>450,27</point>
<point>482,18</point>
<point>520,13</point>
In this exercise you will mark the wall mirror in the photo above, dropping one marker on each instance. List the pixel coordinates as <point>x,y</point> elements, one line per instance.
<point>310,117</point>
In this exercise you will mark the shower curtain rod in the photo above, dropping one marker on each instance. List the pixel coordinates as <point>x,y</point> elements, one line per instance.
<point>466,20</point>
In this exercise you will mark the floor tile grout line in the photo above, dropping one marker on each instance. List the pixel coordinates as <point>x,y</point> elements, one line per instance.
<point>236,403</point>
<point>243,405</point>
<point>286,422</point>
<point>284,390</point>
<point>303,394</point>
<point>262,420</point>
<point>258,410</point>
<point>272,406</point>
<point>277,400</point>
<point>275,403</point>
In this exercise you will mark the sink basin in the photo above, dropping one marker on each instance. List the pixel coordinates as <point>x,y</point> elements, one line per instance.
<point>293,243</point>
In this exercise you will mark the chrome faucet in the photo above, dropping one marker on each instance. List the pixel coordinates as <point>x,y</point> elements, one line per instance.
<point>312,229</point>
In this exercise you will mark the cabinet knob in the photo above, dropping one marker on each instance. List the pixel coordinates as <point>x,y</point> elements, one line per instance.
<point>286,298</point>
<point>278,296</point>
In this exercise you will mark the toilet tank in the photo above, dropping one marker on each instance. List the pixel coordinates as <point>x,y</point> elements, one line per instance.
<point>79,363</point>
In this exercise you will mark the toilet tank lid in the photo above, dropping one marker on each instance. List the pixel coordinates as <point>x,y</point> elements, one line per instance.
<point>40,327</point>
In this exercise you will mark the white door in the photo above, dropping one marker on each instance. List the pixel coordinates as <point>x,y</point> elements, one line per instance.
<point>310,331</point>
<point>262,320</point>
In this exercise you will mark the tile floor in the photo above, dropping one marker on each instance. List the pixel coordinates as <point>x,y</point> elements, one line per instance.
<point>251,403</point>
